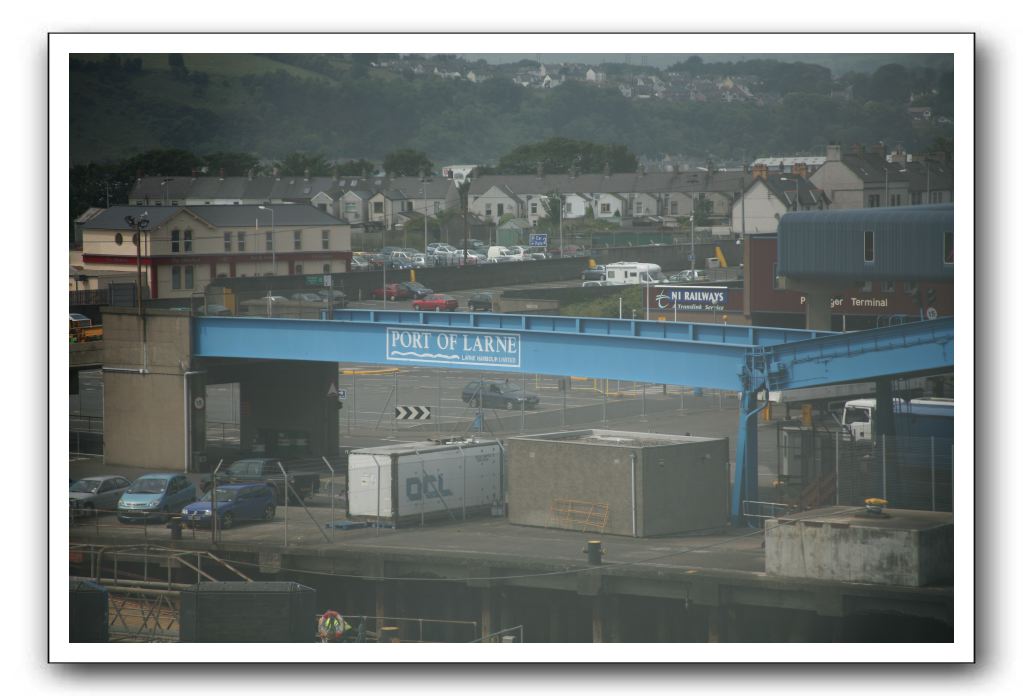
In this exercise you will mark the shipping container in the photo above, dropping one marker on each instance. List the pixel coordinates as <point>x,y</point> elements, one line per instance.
<point>412,482</point>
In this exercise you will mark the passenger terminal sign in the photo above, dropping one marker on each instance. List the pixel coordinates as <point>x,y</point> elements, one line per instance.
<point>691,298</point>
<point>449,347</point>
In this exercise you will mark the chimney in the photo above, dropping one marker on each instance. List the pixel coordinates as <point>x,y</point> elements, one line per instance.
<point>760,171</point>
<point>834,153</point>
<point>221,173</point>
<point>856,149</point>
<point>878,149</point>
<point>799,169</point>
<point>307,173</point>
<point>250,175</point>
<point>899,156</point>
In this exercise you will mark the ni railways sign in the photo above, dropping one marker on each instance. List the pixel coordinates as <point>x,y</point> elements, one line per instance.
<point>688,298</point>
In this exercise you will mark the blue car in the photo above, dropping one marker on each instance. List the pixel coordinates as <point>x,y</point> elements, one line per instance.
<point>235,502</point>
<point>153,497</point>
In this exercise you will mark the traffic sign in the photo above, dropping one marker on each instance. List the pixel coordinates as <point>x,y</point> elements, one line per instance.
<point>332,390</point>
<point>412,413</point>
<point>537,239</point>
<point>342,394</point>
<point>932,313</point>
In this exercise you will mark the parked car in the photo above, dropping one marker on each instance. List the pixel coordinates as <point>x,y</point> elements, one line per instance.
<point>395,291</point>
<point>94,494</point>
<point>359,263</point>
<point>424,261</point>
<point>338,298</point>
<point>595,273</point>
<point>399,260</point>
<point>499,395</point>
<point>481,302</point>
<point>214,310</point>
<point>301,484</point>
<point>688,276</point>
<point>152,497</point>
<point>595,283</point>
<point>418,290</point>
<point>435,303</point>
<point>307,297</point>
<point>235,502</point>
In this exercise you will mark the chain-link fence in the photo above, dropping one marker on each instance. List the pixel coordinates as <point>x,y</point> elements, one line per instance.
<point>813,466</point>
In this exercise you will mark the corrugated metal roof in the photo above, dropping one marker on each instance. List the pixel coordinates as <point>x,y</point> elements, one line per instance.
<point>908,243</point>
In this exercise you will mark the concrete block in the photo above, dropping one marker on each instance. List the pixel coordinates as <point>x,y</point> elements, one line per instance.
<point>907,547</point>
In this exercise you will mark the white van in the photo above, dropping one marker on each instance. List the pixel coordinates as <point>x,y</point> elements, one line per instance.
<point>501,253</point>
<point>633,273</point>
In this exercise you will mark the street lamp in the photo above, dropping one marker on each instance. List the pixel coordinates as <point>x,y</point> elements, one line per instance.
<point>426,237</point>
<point>886,201</point>
<point>138,224</point>
<point>164,186</point>
<point>273,238</point>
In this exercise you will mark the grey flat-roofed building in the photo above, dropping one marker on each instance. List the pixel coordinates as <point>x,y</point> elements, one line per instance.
<point>618,482</point>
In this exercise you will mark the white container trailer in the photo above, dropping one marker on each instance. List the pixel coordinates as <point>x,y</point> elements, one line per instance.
<point>411,482</point>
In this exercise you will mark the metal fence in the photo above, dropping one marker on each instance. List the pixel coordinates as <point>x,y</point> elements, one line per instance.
<point>812,467</point>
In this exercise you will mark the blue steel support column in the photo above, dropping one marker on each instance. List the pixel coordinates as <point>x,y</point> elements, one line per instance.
<point>745,484</point>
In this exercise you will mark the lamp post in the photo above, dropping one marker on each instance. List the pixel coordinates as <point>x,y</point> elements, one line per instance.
<point>163,185</point>
<point>426,234</point>
<point>273,239</point>
<point>138,224</point>
<point>692,240</point>
<point>561,225</point>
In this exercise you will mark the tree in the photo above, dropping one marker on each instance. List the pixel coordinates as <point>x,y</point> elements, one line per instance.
<point>559,155</point>
<point>359,167</point>
<point>233,163</point>
<point>301,163</point>
<point>407,162</point>
<point>891,84</point>
<point>169,162</point>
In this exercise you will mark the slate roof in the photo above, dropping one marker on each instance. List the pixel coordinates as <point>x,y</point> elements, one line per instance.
<point>654,182</point>
<point>785,190</point>
<point>284,215</point>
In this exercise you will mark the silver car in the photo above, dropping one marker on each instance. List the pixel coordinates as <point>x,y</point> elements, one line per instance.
<point>94,494</point>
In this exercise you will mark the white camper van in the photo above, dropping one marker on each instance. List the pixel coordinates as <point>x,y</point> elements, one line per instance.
<point>633,273</point>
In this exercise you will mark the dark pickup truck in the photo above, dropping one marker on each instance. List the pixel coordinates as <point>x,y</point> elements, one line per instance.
<point>301,482</point>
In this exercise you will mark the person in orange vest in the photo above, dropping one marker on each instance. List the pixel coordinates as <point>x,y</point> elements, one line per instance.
<point>331,627</point>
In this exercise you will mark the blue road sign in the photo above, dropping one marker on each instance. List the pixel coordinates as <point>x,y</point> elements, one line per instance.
<point>538,239</point>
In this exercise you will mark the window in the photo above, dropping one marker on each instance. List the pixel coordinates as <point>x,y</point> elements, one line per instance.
<point>189,277</point>
<point>874,200</point>
<point>568,207</point>
<point>227,241</point>
<point>322,206</point>
<point>948,247</point>
<point>868,246</point>
<point>909,287</point>
<point>674,207</point>
<point>436,207</point>
<point>605,207</point>
<point>868,286</point>
<point>936,197</point>
<point>118,239</point>
<point>895,199</point>
<point>188,241</point>
<point>325,239</point>
<point>888,286</point>
<point>298,269</point>
<point>378,207</point>
<point>298,240</point>
<point>175,241</point>
<point>175,277</point>
<point>269,241</point>
<point>532,208</point>
<point>241,241</point>
<point>326,268</point>
<point>349,207</point>
<point>916,198</point>
<point>488,210</point>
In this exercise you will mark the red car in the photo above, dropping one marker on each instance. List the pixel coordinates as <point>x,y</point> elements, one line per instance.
<point>395,291</point>
<point>436,303</point>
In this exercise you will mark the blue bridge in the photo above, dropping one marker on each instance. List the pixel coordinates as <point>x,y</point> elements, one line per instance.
<point>749,360</point>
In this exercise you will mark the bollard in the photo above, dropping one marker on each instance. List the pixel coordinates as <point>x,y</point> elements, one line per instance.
<point>388,634</point>
<point>593,552</point>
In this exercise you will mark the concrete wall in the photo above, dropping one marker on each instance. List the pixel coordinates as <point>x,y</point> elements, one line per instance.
<point>683,487</point>
<point>144,414</point>
<point>910,547</point>
<point>679,486</point>
<point>541,471</point>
